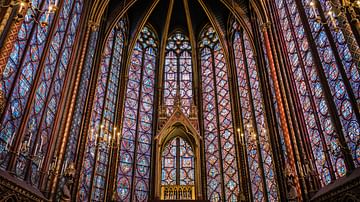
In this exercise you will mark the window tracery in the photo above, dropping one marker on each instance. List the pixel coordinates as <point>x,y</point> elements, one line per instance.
<point>132,182</point>
<point>220,153</point>
<point>178,73</point>
<point>256,136</point>
<point>307,69</point>
<point>96,160</point>
<point>34,88</point>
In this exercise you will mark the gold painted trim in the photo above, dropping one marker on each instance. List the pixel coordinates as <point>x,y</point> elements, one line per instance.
<point>191,135</point>
<point>164,40</point>
<point>192,38</point>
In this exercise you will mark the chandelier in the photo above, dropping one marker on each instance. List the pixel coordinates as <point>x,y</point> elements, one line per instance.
<point>24,6</point>
<point>346,7</point>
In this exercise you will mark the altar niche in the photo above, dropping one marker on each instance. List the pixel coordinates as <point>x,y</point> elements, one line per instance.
<point>178,173</point>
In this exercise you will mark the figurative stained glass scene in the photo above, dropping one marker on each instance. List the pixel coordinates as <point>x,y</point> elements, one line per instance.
<point>178,100</point>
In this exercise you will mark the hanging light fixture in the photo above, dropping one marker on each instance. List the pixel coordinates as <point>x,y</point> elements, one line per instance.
<point>24,5</point>
<point>346,7</point>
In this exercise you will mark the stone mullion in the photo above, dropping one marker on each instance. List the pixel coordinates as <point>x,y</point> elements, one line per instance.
<point>70,90</point>
<point>283,118</point>
<point>327,92</point>
<point>98,149</point>
<point>290,102</point>
<point>273,133</point>
<point>41,66</point>
<point>302,65</point>
<point>113,141</point>
<point>136,142</point>
<point>71,93</point>
<point>287,75</point>
<point>253,121</point>
<point>120,98</point>
<point>340,65</point>
<point>299,137</point>
<point>213,72</point>
<point>287,96</point>
<point>6,50</point>
<point>239,130</point>
<point>100,46</point>
<point>156,100</point>
<point>201,122</point>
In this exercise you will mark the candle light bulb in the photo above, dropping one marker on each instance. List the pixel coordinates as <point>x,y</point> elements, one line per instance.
<point>29,139</point>
<point>313,8</point>
<point>22,5</point>
<point>332,19</point>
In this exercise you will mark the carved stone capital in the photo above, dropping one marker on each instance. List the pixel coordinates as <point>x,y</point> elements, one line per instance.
<point>93,25</point>
<point>265,26</point>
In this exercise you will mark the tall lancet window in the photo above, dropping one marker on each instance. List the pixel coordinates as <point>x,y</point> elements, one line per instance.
<point>178,164</point>
<point>94,173</point>
<point>260,161</point>
<point>220,152</point>
<point>178,73</point>
<point>132,183</point>
<point>327,83</point>
<point>33,82</point>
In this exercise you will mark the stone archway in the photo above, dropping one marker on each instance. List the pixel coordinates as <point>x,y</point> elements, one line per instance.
<point>178,125</point>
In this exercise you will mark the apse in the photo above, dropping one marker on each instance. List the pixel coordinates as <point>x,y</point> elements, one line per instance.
<point>178,100</point>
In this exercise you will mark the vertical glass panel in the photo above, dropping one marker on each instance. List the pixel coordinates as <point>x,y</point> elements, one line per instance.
<point>133,173</point>
<point>178,73</point>
<point>220,152</point>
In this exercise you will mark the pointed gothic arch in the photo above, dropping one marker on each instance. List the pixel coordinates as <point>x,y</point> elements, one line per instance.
<point>178,125</point>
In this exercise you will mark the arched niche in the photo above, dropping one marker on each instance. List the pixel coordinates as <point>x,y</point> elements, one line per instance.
<point>178,125</point>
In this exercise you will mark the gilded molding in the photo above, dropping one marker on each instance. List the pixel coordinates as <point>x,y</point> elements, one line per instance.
<point>12,191</point>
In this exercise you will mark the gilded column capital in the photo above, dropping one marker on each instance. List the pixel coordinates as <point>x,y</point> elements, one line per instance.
<point>265,26</point>
<point>93,25</point>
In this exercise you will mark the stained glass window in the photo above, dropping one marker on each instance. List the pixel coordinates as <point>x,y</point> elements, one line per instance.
<point>37,86</point>
<point>321,128</point>
<point>132,183</point>
<point>260,161</point>
<point>177,163</point>
<point>70,154</point>
<point>25,60</point>
<point>273,98</point>
<point>221,163</point>
<point>81,98</point>
<point>340,89</point>
<point>178,73</point>
<point>101,130</point>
